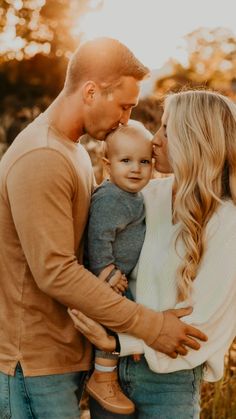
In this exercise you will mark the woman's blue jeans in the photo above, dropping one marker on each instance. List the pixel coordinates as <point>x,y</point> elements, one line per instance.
<point>156,396</point>
<point>45,397</point>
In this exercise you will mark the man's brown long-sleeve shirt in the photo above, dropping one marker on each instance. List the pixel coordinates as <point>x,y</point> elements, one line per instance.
<point>45,186</point>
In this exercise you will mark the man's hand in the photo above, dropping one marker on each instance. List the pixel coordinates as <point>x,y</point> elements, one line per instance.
<point>176,335</point>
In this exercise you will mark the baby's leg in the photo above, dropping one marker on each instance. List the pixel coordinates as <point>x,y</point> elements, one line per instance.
<point>105,361</point>
<point>104,387</point>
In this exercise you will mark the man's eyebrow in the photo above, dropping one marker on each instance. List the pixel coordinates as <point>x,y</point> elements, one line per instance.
<point>130,104</point>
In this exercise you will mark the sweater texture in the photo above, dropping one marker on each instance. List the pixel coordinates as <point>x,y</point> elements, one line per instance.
<point>116,228</point>
<point>214,288</point>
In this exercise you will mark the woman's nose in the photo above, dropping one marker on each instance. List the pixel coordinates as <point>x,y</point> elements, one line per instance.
<point>157,140</point>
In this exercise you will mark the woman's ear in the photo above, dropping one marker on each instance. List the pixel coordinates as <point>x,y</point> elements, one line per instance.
<point>106,168</point>
<point>89,90</point>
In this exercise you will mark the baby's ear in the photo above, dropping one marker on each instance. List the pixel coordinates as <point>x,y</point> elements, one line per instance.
<point>106,167</point>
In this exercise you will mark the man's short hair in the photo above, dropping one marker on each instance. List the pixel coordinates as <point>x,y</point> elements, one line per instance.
<point>104,61</point>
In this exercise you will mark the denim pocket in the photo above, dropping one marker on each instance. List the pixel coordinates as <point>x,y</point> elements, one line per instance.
<point>79,391</point>
<point>127,375</point>
<point>5,411</point>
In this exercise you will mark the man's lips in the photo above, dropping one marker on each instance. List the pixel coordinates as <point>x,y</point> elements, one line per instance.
<point>113,129</point>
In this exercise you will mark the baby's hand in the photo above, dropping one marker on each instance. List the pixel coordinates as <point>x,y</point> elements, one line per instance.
<point>117,281</point>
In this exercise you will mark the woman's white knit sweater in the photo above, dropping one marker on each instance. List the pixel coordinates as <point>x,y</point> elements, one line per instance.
<point>214,289</point>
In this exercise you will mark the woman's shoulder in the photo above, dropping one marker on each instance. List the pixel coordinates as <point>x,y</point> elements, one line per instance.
<point>221,228</point>
<point>226,214</point>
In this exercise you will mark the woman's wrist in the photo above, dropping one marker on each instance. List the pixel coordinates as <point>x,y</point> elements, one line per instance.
<point>112,344</point>
<point>117,348</point>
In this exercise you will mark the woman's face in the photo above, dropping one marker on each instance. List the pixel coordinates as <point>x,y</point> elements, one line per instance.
<point>160,149</point>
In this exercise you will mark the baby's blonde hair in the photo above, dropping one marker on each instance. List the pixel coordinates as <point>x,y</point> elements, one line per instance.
<point>132,128</point>
<point>201,131</point>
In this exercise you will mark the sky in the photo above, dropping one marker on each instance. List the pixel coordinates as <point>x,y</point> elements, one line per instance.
<point>154,30</point>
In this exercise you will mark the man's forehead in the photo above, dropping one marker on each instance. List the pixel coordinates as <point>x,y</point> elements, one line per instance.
<point>130,85</point>
<point>129,94</point>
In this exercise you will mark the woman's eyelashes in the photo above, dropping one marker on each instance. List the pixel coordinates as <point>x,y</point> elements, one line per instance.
<point>165,130</point>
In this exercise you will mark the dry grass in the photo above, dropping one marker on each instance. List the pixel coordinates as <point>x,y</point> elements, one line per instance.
<point>219,399</point>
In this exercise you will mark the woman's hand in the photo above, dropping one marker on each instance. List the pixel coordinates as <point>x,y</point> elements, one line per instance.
<point>93,331</point>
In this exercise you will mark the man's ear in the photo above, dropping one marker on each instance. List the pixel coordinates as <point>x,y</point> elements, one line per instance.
<point>89,90</point>
<point>106,167</point>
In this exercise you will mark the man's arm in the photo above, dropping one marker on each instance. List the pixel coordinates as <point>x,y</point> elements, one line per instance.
<point>169,340</point>
<point>41,187</point>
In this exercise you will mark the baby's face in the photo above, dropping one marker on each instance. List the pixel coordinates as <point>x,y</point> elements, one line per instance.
<point>130,158</point>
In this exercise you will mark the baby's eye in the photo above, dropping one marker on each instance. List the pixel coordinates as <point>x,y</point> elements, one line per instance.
<point>145,161</point>
<point>125,160</point>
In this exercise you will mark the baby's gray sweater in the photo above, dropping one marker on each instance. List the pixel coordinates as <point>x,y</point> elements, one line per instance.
<point>116,228</point>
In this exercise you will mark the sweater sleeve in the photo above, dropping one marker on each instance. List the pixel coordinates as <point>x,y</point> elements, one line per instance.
<point>40,188</point>
<point>108,215</point>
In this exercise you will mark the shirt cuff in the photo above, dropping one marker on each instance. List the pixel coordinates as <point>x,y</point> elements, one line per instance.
<point>130,345</point>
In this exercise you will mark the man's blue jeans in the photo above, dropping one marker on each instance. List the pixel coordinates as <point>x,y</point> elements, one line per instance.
<point>45,397</point>
<point>156,396</point>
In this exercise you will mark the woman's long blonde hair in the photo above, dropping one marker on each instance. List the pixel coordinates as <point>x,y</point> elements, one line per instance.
<point>201,131</point>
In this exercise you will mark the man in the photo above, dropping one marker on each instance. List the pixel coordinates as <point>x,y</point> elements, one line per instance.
<point>46,180</point>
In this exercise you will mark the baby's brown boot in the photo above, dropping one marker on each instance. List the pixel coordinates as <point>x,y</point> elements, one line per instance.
<point>104,387</point>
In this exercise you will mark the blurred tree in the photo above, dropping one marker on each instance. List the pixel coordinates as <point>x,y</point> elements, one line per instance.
<point>148,111</point>
<point>36,40</point>
<point>29,27</point>
<point>211,63</point>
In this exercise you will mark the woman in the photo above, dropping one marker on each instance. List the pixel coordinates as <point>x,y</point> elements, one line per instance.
<point>188,256</point>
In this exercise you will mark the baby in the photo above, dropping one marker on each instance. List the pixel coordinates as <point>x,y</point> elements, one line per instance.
<point>116,232</point>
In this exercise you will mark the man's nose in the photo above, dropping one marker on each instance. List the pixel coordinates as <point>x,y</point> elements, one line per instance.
<point>125,117</point>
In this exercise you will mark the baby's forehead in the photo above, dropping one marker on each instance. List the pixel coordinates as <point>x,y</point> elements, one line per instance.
<point>130,136</point>
<point>126,143</point>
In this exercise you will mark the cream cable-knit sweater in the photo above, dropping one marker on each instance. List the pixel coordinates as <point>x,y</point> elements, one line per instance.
<point>214,289</point>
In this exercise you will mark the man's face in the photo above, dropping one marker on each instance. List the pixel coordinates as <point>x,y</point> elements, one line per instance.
<point>108,110</point>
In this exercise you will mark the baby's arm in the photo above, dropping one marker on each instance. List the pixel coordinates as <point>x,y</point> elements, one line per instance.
<point>106,218</point>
